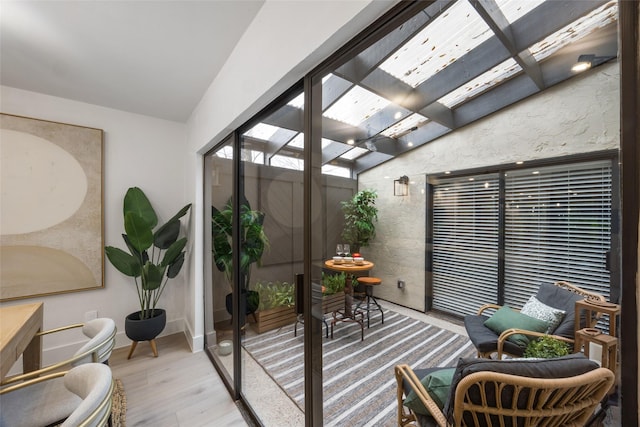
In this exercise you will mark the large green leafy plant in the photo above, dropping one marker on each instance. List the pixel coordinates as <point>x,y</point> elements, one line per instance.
<point>253,240</point>
<point>154,257</point>
<point>360,214</point>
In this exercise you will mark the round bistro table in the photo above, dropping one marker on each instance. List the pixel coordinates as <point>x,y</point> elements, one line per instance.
<point>347,315</point>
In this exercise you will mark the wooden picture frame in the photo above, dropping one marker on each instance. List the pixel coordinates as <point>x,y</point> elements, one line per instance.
<point>51,215</point>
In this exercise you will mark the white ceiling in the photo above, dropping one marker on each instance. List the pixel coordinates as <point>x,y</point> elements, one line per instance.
<point>149,57</point>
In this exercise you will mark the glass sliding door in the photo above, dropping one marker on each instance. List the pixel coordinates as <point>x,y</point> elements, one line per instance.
<point>271,257</point>
<point>218,310</point>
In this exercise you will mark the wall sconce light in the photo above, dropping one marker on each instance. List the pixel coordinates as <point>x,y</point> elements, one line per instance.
<point>401,186</point>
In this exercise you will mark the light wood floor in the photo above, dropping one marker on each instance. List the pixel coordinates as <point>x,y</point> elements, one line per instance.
<point>178,388</point>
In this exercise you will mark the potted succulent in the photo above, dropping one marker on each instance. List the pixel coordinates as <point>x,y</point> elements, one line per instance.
<point>153,257</point>
<point>360,214</point>
<point>253,243</point>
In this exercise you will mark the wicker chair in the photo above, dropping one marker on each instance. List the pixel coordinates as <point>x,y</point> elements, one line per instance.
<point>490,393</point>
<point>560,295</point>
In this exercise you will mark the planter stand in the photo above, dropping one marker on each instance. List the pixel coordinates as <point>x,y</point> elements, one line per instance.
<point>152,342</point>
<point>144,330</point>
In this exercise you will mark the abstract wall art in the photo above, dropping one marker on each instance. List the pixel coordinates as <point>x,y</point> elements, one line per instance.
<point>51,216</point>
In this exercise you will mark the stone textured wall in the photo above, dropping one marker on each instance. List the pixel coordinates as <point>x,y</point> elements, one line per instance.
<point>578,116</point>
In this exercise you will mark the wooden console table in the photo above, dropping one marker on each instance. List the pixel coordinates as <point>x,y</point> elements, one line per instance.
<point>19,325</point>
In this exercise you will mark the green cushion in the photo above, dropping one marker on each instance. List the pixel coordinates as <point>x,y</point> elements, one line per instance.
<point>437,384</point>
<point>507,318</point>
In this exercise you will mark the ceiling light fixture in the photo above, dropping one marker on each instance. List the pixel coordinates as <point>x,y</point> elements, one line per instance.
<point>584,63</point>
<point>589,61</point>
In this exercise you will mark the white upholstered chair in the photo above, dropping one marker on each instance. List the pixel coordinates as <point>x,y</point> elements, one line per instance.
<point>81,397</point>
<point>60,402</point>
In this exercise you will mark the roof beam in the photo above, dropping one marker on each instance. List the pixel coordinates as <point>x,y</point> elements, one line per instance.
<point>495,19</point>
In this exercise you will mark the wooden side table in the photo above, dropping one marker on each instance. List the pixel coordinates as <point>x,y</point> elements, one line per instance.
<point>592,309</point>
<point>597,346</point>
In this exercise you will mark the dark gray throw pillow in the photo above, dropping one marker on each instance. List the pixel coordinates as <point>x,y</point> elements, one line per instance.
<point>561,299</point>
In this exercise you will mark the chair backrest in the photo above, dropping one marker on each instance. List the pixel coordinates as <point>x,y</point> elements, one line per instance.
<point>93,383</point>
<point>551,392</point>
<point>102,334</point>
<point>563,295</point>
<point>558,402</point>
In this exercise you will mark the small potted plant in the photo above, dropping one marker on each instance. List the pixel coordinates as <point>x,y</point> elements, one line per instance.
<point>547,347</point>
<point>276,307</point>
<point>153,257</point>
<point>333,292</point>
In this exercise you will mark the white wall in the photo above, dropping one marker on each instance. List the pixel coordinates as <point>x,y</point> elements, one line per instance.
<point>284,42</point>
<point>138,151</point>
<point>578,116</point>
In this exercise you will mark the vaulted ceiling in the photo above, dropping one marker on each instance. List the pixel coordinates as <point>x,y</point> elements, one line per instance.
<point>155,58</point>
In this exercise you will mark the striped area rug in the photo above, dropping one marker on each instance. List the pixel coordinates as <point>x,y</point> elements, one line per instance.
<point>359,385</point>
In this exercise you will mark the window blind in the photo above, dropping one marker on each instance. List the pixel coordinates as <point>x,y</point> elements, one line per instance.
<point>465,243</point>
<point>557,227</point>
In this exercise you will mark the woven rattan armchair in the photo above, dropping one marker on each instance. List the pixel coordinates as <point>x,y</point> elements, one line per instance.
<point>482,397</point>
<point>560,295</point>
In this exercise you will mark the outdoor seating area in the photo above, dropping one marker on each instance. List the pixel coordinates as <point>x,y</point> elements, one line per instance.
<point>440,379</point>
<point>508,330</point>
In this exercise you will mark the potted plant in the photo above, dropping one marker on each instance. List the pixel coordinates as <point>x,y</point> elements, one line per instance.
<point>547,347</point>
<point>276,306</point>
<point>253,243</point>
<point>360,214</point>
<point>333,291</point>
<point>152,259</point>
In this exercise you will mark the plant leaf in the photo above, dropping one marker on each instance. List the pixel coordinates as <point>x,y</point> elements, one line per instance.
<point>142,257</point>
<point>136,201</point>
<point>172,253</point>
<point>175,266</point>
<point>139,233</point>
<point>152,276</point>
<point>166,235</point>
<point>126,263</point>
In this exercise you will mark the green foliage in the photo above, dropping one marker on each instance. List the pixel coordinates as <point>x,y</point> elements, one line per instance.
<point>253,240</point>
<point>360,213</point>
<point>333,283</point>
<point>274,294</point>
<point>150,271</point>
<point>547,347</point>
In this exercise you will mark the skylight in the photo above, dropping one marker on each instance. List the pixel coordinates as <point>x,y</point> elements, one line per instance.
<point>516,9</point>
<point>297,102</point>
<point>404,126</point>
<point>599,18</point>
<point>450,36</point>
<point>261,131</point>
<point>370,98</point>
<point>354,153</point>
<point>356,106</point>
<point>481,83</point>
